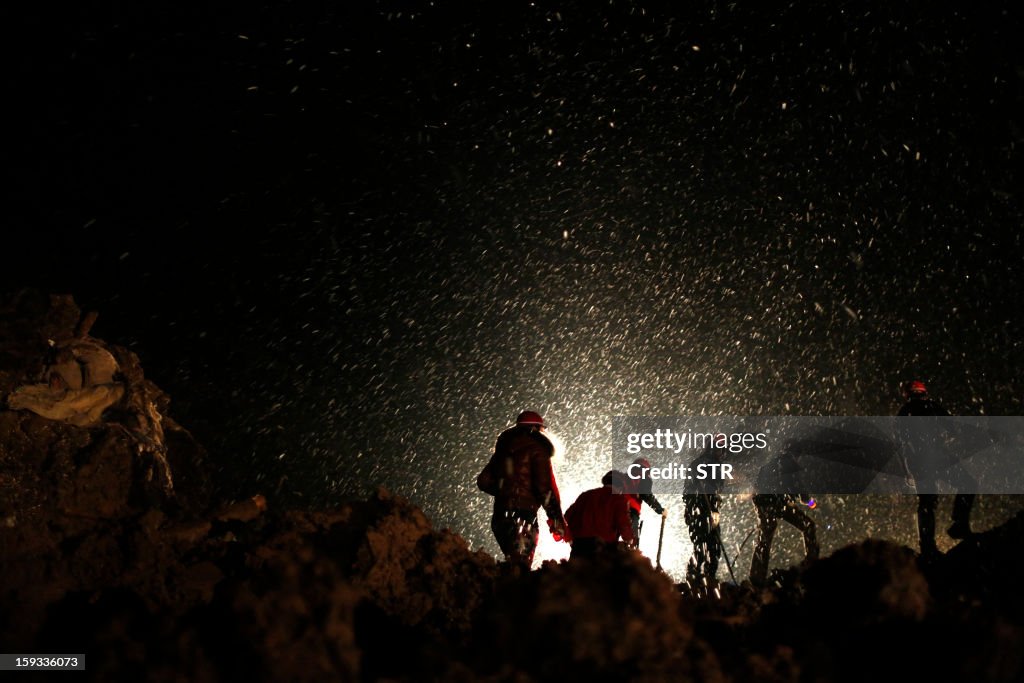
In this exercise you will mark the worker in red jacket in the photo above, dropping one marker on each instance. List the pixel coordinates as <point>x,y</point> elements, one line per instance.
<point>599,517</point>
<point>520,477</point>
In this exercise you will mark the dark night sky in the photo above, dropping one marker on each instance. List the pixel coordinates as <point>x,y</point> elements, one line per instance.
<point>352,240</point>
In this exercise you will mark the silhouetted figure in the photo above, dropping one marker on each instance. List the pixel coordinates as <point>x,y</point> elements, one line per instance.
<point>924,461</point>
<point>771,507</point>
<point>520,478</point>
<point>700,512</point>
<point>638,491</point>
<point>599,517</point>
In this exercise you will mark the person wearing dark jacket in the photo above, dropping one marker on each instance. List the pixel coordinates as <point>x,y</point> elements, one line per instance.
<point>771,507</point>
<point>701,506</point>
<point>923,462</point>
<point>638,489</point>
<point>599,517</point>
<point>700,512</point>
<point>520,477</point>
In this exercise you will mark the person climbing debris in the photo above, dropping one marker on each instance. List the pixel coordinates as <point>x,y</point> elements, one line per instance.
<point>638,486</point>
<point>599,518</point>
<point>924,461</point>
<point>702,505</point>
<point>520,477</point>
<point>700,512</point>
<point>771,507</point>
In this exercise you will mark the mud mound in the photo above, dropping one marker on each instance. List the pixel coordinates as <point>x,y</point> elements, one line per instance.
<point>611,618</point>
<point>109,546</point>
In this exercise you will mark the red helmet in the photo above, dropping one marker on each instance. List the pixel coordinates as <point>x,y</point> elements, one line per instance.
<point>915,387</point>
<point>643,462</point>
<point>528,417</point>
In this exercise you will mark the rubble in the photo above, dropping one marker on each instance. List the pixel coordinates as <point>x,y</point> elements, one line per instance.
<point>163,584</point>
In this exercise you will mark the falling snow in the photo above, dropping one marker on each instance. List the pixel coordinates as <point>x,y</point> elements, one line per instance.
<point>385,232</point>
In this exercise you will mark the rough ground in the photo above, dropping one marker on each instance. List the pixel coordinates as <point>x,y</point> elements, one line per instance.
<point>95,559</point>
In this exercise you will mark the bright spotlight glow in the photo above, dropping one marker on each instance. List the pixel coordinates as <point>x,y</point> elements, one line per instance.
<point>582,470</point>
<point>547,547</point>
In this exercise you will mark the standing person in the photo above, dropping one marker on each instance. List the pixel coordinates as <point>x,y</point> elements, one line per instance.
<point>520,477</point>
<point>638,491</point>
<point>770,508</point>
<point>700,513</point>
<point>599,517</point>
<point>702,504</point>
<point>924,461</point>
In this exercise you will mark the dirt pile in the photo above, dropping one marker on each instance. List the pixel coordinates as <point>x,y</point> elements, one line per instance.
<point>82,492</point>
<point>107,551</point>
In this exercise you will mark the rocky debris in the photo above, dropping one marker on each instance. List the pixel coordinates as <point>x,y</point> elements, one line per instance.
<point>613,618</point>
<point>51,367</point>
<point>244,510</point>
<point>293,596</point>
<point>994,563</point>
<point>370,591</point>
<point>95,558</point>
<point>80,380</point>
<point>78,389</point>
<point>82,493</point>
<point>881,581</point>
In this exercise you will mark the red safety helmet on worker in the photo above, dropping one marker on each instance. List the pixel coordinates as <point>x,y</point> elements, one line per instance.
<point>528,417</point>
<point>520,477</point>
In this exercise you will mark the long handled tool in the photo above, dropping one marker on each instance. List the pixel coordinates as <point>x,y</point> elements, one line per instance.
<point>718,535</point>
<point>661,539</point>
<point>745,539</point>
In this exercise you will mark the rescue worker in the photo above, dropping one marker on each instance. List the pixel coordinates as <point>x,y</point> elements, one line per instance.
<point>700,512</point>
<point>770,508</point>
<point>520,477</point>
<point>599,517</point>
<point>924,461</point>
<point>702,504</point>
<point>638,486</point>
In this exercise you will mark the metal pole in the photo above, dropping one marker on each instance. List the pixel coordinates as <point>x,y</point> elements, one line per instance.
<point>661,538</point>
<point>746,538</point>
<point>718,535</point>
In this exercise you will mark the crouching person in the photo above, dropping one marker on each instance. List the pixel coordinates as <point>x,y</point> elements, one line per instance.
<point>599,518</point>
